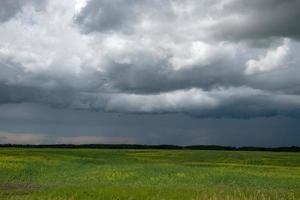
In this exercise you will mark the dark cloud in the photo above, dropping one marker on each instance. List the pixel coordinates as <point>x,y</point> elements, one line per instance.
<point>107,15</point>
<point>257,20</point>
<point>121,15</point>
<point>40,124</point>
<point>152,76</point>
<point>150,72</point>
<point>211,59</point>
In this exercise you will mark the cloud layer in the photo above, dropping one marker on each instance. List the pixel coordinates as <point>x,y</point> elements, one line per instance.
<point>219,58</point>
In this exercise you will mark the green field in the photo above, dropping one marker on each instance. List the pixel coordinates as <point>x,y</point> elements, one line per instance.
<point>148,174</point>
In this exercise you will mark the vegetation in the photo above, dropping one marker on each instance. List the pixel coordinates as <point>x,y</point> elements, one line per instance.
<point>140,146</point>
<point>52,173</point>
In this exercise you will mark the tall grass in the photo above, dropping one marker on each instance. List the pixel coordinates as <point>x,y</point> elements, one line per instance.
<point>148,174</point>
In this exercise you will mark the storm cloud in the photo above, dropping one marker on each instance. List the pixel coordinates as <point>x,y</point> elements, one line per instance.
<point>152,53</point>
<point>203,59</point>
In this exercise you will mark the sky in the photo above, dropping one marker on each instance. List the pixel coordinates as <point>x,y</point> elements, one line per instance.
<point>222,72</point>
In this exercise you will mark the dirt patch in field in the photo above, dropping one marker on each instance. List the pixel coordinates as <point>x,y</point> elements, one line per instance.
<point>19,188</point>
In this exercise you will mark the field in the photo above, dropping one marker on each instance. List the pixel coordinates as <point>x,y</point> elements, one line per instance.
<point>147,174</point>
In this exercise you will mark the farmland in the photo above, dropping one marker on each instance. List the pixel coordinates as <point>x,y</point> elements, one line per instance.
<point>49,173</point>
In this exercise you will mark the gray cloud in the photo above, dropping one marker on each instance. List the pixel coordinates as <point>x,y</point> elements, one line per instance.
<point>232,20</point>
<point>41,124</point>
<point>258,20</point>
<point>201,58</point>
<point>108,16</point>
<point>124,16</point>
<point>10,8</point>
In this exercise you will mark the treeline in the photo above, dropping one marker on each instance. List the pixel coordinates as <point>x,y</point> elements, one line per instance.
<point>170,147</point>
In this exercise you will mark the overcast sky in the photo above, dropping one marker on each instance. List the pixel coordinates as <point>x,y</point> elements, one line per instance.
<point>223,72</point>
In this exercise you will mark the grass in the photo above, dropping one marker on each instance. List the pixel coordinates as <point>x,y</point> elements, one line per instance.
<point>60,174</point>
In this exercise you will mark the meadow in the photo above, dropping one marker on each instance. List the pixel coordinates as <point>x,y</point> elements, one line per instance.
<point>59,174</point>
